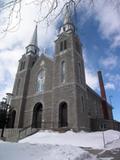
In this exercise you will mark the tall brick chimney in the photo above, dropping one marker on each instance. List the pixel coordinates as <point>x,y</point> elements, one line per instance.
<point>102,88</point>
<point>103,96</point>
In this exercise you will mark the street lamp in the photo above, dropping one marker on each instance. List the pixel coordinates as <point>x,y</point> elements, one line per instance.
<point>5,110</point>
<point>9,97</point>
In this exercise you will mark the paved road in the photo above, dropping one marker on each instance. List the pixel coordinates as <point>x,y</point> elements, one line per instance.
<point>113,154</point>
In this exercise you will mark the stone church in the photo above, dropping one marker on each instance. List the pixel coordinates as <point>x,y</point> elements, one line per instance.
<point>51,93</point>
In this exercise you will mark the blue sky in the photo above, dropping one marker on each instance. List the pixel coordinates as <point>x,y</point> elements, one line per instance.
<point>99,31</point>
<point>99,55</point>
<point>102,53</point>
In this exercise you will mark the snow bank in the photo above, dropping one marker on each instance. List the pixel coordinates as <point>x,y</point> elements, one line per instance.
<point>81,139</point>
<point>12,151</point>
<point>48,145</point>
<point>1,141</point>
<point>113,145</point>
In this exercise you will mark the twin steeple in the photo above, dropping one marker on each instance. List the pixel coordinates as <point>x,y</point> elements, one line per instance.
<point>67,16</point>
<point>68,25</point>
<point>34,40</point>
<point>33,46</point>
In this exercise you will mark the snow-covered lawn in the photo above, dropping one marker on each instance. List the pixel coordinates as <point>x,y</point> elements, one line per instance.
<point>81,139</point>
<point>9,151</point>
<point>48,145</point>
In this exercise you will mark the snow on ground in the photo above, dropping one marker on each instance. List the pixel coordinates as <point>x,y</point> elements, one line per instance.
<point>26,151</point>
<point>49,145</point>
<point>113,145</point>
<point>81,139</point>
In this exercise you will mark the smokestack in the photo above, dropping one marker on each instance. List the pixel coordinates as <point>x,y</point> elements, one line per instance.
<point>101,84</point>
<point>103,96</point>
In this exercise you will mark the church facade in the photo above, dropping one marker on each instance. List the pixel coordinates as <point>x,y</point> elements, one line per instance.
<point>51,93</point>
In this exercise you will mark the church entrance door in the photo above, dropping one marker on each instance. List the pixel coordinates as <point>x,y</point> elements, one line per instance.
<point>63,115</point>
<point>13,118</point>
<point>37,116</point>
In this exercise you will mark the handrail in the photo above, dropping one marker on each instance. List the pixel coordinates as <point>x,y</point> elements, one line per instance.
<point>22,129</point>
<point>26,132</point>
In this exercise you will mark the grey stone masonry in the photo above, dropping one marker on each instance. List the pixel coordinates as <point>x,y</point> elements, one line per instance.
<point>51,93</point>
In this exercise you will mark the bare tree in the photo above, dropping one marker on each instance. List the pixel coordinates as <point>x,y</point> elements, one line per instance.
<point>13,7</point>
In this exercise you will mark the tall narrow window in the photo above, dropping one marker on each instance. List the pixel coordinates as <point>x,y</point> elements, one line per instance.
<point>13,118</point>
<point>83,106</point>
<point>79,73</point>
<point>63,28</point>
<point>18,87</point>
<point>41,81</point>
<point>22,66</point>
<point>77,46</point>
<point>65,44</point>
<point>61,46</point>
<point>63,71</point>
<point>96,108</point>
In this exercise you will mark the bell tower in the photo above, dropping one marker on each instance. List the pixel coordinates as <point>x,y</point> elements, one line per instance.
<point>68,48</point>
<point>68,25</point>
<point>32,48</point>
<point>69,74</point>
<point>20,88</point>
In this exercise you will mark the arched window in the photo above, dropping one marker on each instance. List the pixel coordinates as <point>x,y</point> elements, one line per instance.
<point>41,81</point>
<point>18,86</point>
<point>63,71</point>
<point>13,118</point>
<point>83,104</point>
<point>63,118</point>
<point>79,73</point>
<point>37,116</point>
<point>63,45</point>
<point>22,66</point>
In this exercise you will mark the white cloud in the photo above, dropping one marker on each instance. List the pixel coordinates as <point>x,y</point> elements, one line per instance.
<point>107,15</point>
<point>110,86</point>
<point>12,46</point>
<point>114,79</point>
<point>91,76</point>
<point>116,41</point>
<point>91,79</point>
<point>109,62</point>
<point>8,68</point>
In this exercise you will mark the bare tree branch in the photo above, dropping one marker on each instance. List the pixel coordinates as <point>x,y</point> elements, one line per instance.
<point>52,6</point>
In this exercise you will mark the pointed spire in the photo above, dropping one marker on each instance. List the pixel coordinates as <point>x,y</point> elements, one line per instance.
<point>34,38</point>
<point>33,46</point>
<point>67,15</point>
<point>68,25</point>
